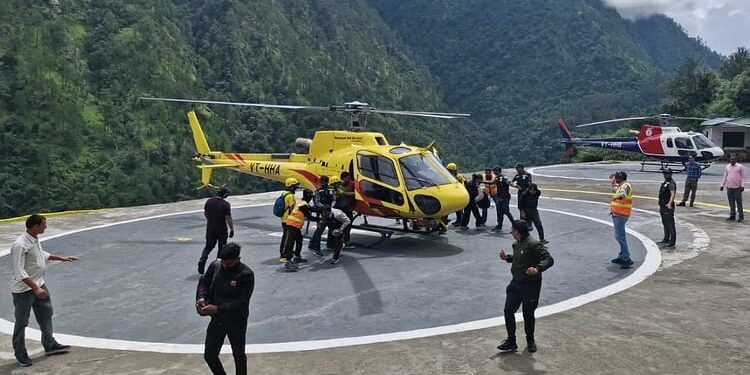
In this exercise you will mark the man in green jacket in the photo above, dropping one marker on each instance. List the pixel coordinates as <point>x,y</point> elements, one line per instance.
<point>529,259</point>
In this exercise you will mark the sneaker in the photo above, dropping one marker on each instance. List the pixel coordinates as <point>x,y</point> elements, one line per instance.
<point>668,246</point>
<point>317,252</point>
<point>618,261</point>
<point>497,229</point>
<point>463,228</point>
<point>299,260</point>
<point>626,264</point>
<point>348,246</point>
<point>201,267</point>
<point>24,362</point>
<point>481,226</point>
<point>283,260</point>
<point>740,219</point>
<point>57,349</point>
<point>508,345</point>
<point>682,204</point>
<point>731,218</point>
<point>336,260</point>
<point>290,266</point>
<point>662,242</point>
<point>531,347</point>
<point>456,224</point>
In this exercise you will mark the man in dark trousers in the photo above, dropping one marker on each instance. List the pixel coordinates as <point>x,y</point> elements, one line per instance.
<point>528,202</point>
<point>218,213</point>
<point>294,223</point>
<point>502,199</point>
<point>667,191</point>
<point>521,180</point>
<point>529,259</point>
<point>346,202</point>
<point>224,294</point>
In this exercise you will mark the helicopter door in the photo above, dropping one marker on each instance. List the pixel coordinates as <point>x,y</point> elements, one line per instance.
<point>684,146</point>
<point>379,183</point>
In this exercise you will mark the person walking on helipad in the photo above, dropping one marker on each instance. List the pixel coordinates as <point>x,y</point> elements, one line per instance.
<point>218,213</point>
<point>529,259</point>
<point>620,207</point>
<point>224,293</point>
<point>693,170</point>
<point>30,290</point>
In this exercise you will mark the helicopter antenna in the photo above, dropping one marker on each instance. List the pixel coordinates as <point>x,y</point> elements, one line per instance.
<point>357,111</point>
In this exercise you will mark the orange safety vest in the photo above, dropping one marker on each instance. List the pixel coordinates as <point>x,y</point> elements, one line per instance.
<point>622,206</point>
<point>489,185</point>
<point>296,219</point>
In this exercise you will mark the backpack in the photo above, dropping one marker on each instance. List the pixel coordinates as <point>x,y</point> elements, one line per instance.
<point>280,205</point>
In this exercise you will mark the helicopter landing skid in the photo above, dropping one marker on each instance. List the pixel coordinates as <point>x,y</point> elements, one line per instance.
<point>664,165</point>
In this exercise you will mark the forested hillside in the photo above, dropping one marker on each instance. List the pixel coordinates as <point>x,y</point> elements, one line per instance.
<point>74,134</point>
<point>517,65</point>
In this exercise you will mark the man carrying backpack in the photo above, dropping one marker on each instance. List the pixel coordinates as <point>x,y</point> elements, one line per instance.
<point>294,222</point>
<point>288,200</point>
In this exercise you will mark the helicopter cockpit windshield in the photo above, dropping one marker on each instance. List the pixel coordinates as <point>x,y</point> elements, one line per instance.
<point>421,170</point>
<point>702,142</point>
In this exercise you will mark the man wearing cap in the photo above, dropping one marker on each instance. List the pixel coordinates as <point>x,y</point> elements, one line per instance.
<point>224,294</point>
<point>620,207</point>
<point>529,259</point>
<point>667,191</point>
<point>291,185</point>
<point>521,181</point>
<point>218,213</point>
<point>294,223</point>
<point>502,199</point>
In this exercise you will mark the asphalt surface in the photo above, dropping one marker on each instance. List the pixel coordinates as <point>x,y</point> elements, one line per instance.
<point>690,317</point>
<point>145,271</point>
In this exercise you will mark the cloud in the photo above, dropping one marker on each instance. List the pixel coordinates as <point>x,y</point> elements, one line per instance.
<point>722,24</point>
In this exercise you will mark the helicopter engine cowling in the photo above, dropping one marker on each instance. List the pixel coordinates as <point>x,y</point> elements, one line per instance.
<point>302,145</point>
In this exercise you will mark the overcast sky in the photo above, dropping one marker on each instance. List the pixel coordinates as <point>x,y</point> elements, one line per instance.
<point>724,25</point>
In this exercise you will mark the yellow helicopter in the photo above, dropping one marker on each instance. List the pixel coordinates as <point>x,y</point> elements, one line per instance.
<point>390,181</point>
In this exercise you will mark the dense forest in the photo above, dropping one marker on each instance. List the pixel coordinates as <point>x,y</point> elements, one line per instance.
<point>74,134</point>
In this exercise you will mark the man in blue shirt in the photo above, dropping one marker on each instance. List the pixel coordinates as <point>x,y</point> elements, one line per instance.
<point>693,169</point>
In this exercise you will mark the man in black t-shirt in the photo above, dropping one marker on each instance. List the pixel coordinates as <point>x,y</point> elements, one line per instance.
<point>521,180</point>
<point>218,213</point>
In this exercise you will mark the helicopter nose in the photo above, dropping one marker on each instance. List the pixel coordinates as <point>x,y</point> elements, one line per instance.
<point>452,199</point>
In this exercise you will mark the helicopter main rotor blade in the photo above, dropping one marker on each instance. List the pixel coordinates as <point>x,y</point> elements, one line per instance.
<point>421,114</point>
<point>613,120</point>
<point>281,106</point>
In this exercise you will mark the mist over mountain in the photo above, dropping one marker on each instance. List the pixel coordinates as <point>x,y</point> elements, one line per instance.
<point>76,136</point>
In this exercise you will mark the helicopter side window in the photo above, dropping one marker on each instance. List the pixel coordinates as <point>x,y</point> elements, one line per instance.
<point>683,143</point>
<point>669,143</point>
<point>378,168</point>
<point>381,193</point>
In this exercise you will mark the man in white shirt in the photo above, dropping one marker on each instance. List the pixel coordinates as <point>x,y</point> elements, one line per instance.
<point>30,291</point>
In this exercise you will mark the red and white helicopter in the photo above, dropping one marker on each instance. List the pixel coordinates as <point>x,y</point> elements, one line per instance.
<point>668,145</point>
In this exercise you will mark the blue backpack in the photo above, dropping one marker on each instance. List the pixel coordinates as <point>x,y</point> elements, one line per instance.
<point>280,204</point>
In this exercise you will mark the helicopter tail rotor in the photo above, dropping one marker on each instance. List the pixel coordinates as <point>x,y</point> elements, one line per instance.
<point>570,149</point>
